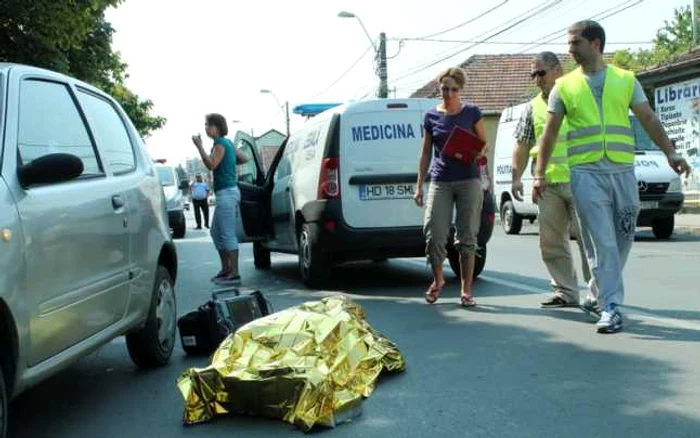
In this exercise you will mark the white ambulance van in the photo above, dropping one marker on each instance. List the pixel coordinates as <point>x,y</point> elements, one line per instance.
<point>660,190</point>
<point>341,189</point>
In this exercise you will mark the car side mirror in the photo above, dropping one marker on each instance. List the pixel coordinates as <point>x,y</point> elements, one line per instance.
<point>50,169</point>
<point>184,185</point>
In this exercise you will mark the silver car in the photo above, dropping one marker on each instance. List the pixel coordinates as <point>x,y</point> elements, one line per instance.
<point>85,248</point>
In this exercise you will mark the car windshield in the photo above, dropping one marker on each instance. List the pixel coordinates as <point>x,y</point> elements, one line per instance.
<point>166,176</point>
<point>642,142</point>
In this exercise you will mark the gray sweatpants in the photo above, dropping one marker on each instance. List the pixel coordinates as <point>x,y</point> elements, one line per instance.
<point>607,205</point>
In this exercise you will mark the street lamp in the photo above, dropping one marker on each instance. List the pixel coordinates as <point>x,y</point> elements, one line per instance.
<point>379,55</point>
<point>345,14</point>
<point>286,106</point>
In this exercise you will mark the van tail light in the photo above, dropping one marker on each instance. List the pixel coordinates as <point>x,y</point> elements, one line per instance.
<point>329,180</point>
<point>490,217</point>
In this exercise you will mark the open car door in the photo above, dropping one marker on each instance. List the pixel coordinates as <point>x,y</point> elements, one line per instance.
<point>254,208</point>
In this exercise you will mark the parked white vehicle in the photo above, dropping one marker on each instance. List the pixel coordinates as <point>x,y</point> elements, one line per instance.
<point>660,190</point>
<point>341,188</point>
<point>175,201</point>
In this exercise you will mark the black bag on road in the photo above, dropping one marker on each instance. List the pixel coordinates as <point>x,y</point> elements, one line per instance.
<point>202,330</point>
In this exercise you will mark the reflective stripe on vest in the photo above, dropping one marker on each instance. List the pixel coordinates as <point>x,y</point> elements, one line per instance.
<point>591,138</point>
<point>557,171</point>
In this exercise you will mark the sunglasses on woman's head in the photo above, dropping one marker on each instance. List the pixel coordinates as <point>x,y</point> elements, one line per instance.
<point>452,89</point>
<point>538,73</point>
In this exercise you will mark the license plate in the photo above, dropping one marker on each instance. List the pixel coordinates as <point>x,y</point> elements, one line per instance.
<point>373,192</point>
<point>647,205</point>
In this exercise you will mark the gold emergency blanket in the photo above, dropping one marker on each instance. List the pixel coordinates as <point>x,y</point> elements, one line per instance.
<point>308,365</point>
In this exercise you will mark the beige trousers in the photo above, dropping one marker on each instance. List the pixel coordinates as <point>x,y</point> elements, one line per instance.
<point>465,198</point>
<point>556,214</point>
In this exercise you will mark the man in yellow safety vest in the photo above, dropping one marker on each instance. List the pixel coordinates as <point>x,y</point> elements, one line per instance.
<point>556,211</point>
<point>596,99</point>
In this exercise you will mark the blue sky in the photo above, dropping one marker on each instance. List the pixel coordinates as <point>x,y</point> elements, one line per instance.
<point>192,58</point>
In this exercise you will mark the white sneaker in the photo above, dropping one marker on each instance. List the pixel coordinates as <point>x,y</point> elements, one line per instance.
<point>610,322</point>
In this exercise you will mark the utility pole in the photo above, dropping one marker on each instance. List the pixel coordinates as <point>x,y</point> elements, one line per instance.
<point>286,112</point>
<point>381,67</point>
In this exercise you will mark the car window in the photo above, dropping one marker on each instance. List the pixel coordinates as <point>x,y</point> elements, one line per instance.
<point>49,122</point>
<point>284,167</point>
<point>166,176</point>
<point>247,172</point>
<point>642,142</point>
<point>110,132</point>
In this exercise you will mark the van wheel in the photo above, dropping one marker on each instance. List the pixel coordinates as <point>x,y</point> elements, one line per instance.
<point>3,405</point>
<point>261,256</point>
<point>511,221</point>
<point>180,227</point>
<point>313,265</point>
<point>479,260</point>
<point>663,228</point>
<point>152,345</point>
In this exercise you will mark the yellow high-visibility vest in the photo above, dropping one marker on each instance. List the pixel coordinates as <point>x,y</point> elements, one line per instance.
<point>557,171</point>
<point>591,138</point>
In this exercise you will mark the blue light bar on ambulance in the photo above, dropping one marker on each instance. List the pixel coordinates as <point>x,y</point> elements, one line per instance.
<point>312,109</point>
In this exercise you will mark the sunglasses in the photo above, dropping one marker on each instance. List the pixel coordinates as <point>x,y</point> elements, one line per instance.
<point>538,73</point>
<point>452,89</point>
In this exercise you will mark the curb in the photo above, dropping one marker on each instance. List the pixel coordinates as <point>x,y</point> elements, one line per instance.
<point>694,231</point>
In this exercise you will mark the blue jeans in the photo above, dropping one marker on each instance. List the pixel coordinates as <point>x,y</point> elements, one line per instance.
<point>607,205</point>
<point>226,216</point>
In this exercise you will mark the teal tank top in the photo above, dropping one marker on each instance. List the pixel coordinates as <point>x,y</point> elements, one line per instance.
<point>225,172</point>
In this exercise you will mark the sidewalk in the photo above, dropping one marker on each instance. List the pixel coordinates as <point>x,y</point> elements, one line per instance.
<point>688,222</point>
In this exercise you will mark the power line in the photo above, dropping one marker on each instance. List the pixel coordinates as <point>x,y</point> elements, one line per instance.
<point>430,40</point>
<point>354,64</point>
<point>618,8</point>
<point>471,20</point>
<point>430,61</point>
<point>543,6</point>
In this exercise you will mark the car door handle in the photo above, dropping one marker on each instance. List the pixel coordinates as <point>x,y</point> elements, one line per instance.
<point>117,202</point>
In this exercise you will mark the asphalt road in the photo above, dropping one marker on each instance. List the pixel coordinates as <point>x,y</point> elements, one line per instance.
<point>503,369</point>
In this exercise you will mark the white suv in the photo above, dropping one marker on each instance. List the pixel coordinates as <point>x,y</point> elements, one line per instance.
<point>341,189</point>
<point>85,248</point>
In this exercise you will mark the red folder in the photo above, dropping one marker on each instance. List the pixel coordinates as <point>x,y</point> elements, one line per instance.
<point>462,145</point>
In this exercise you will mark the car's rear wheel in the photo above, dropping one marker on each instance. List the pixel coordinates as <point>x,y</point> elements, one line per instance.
<point>511,221</point>
<point>153,344</point>
<point>663,228</point>
<point>313,265</point>
<point>3,405</point>
<point>261,256</point>
<point>180,226</point>
<point>479,260</point>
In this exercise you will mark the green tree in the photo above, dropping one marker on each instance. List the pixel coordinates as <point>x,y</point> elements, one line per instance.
<point>72,37</point>
<point>671,40</point>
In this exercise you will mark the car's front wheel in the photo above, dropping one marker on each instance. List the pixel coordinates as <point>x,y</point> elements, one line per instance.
<point>512,222</point>
<point>3,405</point>
<point>152,345</point>
<point>261,256</point>
<point>663,228</point>
<point>180,226</point>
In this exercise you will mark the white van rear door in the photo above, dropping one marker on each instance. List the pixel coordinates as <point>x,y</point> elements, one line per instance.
<point>380,143</point>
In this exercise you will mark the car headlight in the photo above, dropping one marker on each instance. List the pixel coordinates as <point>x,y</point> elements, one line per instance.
<point>675,185</point>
